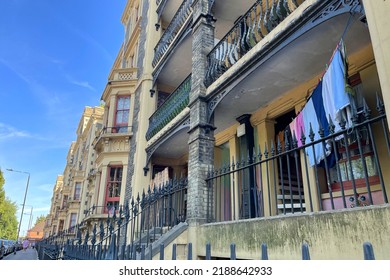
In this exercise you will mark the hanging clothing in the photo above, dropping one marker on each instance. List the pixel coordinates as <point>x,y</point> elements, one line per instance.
<point>293,129</point>
<point>335,97</point>
<point>310,121</point>
<point>300,128</point>
<point>297,128</point>
<point>318,104</point>
<point>326,152</point>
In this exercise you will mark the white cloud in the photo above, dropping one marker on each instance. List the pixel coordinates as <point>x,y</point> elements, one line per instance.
<point>83,84</point>
<point>16,72</point>
<point>7,131</point>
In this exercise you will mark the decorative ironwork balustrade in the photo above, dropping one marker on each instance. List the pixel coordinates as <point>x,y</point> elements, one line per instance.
<point>277,181</point>
<point>142,221</point>
<point>50,251</point>
<point>123,74</point>
<point>173,29</point>
<point>176,102</point>
<point>99,210</point>
<point>115,130</point>
<point>252,27</point>
<point>158,2</point>
<point>160,6</point>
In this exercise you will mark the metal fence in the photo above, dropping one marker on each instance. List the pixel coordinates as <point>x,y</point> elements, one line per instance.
<point>276,181</point>
<point>104,253</point>
<point>142,221</point>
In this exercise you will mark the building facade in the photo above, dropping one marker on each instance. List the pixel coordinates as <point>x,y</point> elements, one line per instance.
<point>266,121</point>
<point>71,197</point>
<point>237,78</point>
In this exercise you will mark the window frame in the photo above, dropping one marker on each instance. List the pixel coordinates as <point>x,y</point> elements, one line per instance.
<point>121,126</point>
<point>355,82</point>
<point>72,221</point>
<point>77,191</point>
<point>113,200</point>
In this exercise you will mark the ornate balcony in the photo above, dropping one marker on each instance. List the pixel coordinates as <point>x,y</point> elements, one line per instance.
<point>113,139</point>
<point>123,74</point>
<point>160,6</point>
<point>175,104</point>
<point>174,29</point>
<point>252,27</point>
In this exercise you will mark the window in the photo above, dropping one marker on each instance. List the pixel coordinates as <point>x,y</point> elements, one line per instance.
<point>130,61</point>
<point>77,191</point>
<point>61,226</point>
<point>122,114</point>
<point>72,222</point>
<point>113,188</point>
<point>64,202</point>
<point>356,161</point>
<point>137,11</point>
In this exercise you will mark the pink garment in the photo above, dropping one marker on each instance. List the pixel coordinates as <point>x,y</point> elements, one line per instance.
<point>293,129</point>
<point>300,128</point>
<point>297,127</point>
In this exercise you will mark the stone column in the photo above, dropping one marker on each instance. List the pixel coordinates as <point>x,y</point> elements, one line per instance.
<point>201,135</point>
<point>235,215</point>
<point>111,112</point>
<point>249,200</point>
<point>266,132</point>
<point>377,13</point>
<point>102,188</point>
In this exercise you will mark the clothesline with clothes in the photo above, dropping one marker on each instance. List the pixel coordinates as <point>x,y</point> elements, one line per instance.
<point>330,100</point>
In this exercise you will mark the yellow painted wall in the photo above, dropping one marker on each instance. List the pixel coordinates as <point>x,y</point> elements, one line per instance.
<point>378,19</point>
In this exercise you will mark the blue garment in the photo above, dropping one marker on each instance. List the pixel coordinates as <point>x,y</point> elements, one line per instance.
<point>319,108</point>
<point>318,104</point>
<point>310,118</point>
<point>335,97</point>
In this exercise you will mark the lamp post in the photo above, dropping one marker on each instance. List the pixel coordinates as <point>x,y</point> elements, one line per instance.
<point>24,200</point>
<point>31,216</point>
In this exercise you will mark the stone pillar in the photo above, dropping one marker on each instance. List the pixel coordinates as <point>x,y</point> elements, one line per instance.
<point>377,13</point>
<point>249,200</point>
<point>201,136</point>
<point>111,112</point>
<point>234,181</point>
<point>266,134</point>
<point>102,189</point>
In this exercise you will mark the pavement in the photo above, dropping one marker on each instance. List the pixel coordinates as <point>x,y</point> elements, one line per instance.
<point>29,254</point>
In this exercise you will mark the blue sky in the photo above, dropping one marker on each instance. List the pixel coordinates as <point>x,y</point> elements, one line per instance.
<point>55,57</point>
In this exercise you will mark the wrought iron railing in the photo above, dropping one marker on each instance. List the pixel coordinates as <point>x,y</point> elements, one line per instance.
<point>160,6</point>
<point>49,251</point>
<point>158,2</point>
<point>176,24</point>
<point>99,210</point>
<point>142,221</point>
<point>176,102</point>
<point>252,27</point>
<point>115,130</point>
<point>277,181</point>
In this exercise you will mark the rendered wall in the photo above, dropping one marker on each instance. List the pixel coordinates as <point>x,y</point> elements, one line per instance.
<point>330,235</point>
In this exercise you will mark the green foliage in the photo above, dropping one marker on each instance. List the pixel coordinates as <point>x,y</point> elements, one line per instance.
<point>40,219</point>
<point>8,220</point>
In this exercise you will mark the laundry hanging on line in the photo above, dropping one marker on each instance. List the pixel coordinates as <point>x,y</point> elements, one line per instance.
<point>331,99</point>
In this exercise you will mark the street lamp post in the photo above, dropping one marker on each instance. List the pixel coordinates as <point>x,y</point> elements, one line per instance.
<point>31,217</point>
<point>24,200</point>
